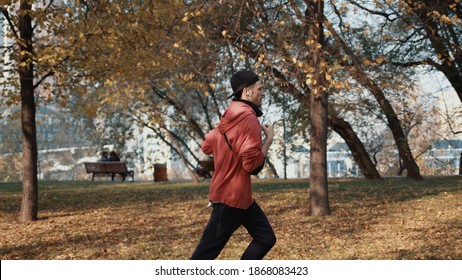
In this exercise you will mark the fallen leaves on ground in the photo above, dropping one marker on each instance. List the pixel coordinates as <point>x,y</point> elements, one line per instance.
<point>387,219</point>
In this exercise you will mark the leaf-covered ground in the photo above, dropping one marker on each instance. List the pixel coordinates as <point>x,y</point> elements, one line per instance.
<point>388,219</point>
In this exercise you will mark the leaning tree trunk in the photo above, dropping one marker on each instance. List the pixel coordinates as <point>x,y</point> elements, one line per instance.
<point>29,202</point>
<point>394,124</point>
<point>358,73</point>
<point>357,149</point>
<point>272,168</point>
<point>319,196</point>
<point>182,156</point>
<point>450,58</point>
<point>401,167</point>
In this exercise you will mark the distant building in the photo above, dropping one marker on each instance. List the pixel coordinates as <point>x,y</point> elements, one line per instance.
<point>444,157</point>
<point>340,162</point>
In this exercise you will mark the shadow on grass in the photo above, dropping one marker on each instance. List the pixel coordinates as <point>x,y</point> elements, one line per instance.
<point>84,195</point>
<point>393,190</point>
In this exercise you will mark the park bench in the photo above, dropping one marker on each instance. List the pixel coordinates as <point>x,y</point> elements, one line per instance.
<point>109,169</point>
<point>205,168</point>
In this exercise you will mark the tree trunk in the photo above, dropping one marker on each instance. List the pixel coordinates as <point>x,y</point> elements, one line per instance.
<point>455,80</point>
<point>460,164</point>
<point>400,167</point>
<point>357,149</point>
<point>394,124</point>
<point>284,135</point>
<point>319,196</point>
<point>182,156</point>
<point>443,47</point>
<point>272,168</point>
<point>29,202</point>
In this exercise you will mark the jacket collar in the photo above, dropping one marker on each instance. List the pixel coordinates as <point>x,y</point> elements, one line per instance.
<point>253,106</point>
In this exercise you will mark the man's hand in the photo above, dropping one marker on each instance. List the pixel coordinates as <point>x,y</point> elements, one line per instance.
<point>268,129</point>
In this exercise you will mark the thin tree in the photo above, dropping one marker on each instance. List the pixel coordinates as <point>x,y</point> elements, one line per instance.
<point>319,197</point>
<point>29,202</point>
<point>24,52</point>
<point>34,65</point>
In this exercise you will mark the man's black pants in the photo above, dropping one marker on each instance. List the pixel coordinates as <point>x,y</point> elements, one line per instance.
<point>224,221</point>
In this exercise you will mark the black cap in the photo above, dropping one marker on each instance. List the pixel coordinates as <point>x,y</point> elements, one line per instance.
<point>241,80</point>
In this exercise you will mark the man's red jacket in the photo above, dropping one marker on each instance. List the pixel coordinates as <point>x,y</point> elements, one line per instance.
<point>231,183</point>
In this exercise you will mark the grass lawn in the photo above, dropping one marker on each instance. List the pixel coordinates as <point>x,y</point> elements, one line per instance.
<point>388,219</point>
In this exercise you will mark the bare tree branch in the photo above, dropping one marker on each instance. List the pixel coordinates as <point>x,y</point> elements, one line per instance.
<point>49,74</point>
<point>379,13</point>
<point>447,118</point>
<point>418,63</point>
<point>10,22</point>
